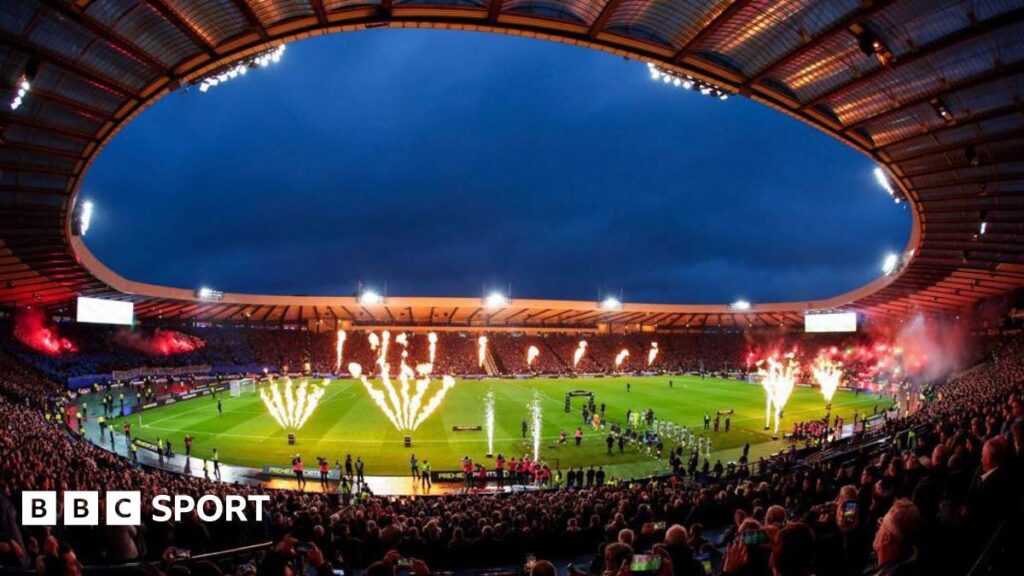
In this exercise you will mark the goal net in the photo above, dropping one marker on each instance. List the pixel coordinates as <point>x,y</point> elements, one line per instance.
<point>239,387</point>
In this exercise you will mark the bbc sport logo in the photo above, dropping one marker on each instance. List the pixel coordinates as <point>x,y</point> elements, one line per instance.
<point>124,508</point>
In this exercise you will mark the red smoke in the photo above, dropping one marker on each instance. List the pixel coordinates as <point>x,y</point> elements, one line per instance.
<point>160,343</point>
<point>31,330</point>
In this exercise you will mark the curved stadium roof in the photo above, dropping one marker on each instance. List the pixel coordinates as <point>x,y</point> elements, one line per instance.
<point>931,89</point>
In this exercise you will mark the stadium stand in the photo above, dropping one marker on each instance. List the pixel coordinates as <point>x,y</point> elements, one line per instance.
<point>928,499</point>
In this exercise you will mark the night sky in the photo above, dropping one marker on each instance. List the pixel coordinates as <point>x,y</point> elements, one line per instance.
<point>444,162</point>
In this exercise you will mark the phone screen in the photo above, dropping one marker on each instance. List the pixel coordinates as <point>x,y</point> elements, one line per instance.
<point>705,561</point>
<point>849,512</point>
<point>754,537</point>
<point>645,563</point>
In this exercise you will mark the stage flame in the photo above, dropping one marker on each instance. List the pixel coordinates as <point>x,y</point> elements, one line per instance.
<point>531,355</point>
<point>778,377</point>
<point>578,355</point>
<point>404,406</point>
<point>481,349</point>
<point>828,374</point>
<point>292,406</point>
<point>339,346</point>
<point>622,355</point>
<point>652,353</point>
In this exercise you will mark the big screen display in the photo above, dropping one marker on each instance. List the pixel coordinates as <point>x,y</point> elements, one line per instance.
<point>99,311</point>
<point>839,322</point>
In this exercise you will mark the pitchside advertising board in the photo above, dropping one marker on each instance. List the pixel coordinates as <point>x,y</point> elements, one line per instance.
<point>839,322</point>
<point>100,311</point>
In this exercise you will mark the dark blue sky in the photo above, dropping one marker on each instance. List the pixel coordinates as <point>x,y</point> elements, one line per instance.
<point>443,161</point>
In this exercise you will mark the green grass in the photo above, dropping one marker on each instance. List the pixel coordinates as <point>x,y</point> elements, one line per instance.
<point>348,422</point>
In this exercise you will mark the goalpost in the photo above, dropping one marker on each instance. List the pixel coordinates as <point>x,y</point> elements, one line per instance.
<point>239,387</point>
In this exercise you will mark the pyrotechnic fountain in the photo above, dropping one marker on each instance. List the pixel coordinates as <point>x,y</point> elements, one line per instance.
<point>767,385</point>
<point>481,349</point>
<point>405,406</point>
<point>779,379</point>
<point>531,355</point>
<point>489,421</point>
<point>581,349</point>
<point>535,419</point>
<point>339,346</point>
<point>652,353</point>
<point>290,407</point>
<point>620,357</point>
<point>828,374</point>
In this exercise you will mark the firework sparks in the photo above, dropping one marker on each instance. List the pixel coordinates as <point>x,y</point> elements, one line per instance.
<point>581,349</point>
<point>536,420</point>
<point>652,353</point>
<point>293,405</point>
<point>339,347</point>
<point>531,355</point>
<point>622,355</point>
<point>481,349</point>
<point>778,379</point>
<point>408,405</point>
<point>432,339</point>
<point>489,420</point>
<point>828,374</point>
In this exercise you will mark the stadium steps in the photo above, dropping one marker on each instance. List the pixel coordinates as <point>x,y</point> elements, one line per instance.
<point>489,366</point>
<point>499,364</point>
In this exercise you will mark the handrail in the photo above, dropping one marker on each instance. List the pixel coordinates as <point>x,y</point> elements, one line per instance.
<point>984,561</point>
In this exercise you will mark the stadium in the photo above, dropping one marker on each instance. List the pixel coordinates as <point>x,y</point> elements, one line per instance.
<point>877,430</point>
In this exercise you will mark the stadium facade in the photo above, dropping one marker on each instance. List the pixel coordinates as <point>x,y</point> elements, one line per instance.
<point>930,90</point>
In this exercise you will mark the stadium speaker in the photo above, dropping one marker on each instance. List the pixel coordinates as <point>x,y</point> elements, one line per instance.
<point>408,441</point>
<point>291,439</point>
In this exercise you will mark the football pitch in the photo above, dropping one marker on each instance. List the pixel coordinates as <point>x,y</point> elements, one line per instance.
<point>347,421</point>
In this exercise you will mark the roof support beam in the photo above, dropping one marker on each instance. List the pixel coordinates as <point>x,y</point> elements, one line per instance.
<point>54,59</point>
<point>602,19</point>
<point>79,107</point>
<point>981,140</point>
<point>970,32</point>
<point>867,8</point>
<point>321,12</point>
<point>712,27</point>
<point>494,10</point>
<point>1010,110</point>
<point>8,119</point>
<point>184,27</point>
<point>994,74</point>
<point>251,17</point>
<point>106,34</point>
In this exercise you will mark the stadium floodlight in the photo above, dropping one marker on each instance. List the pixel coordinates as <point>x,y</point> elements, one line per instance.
<point>24,83</point>
<point>496,300</point>
<point>685,81</point>
<point>890,263</point>
<point>85,217</point>
<point>611,303</point>
<point>240,68</point>
<point>740,305</point>
<point>883,181</point>
<point>369,297</point>
<point>205,293</point>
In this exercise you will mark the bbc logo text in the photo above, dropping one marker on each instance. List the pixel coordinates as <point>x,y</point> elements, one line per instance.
<point>124,508</point>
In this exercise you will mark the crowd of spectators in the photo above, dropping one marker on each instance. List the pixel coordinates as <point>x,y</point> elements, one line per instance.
<point>926,503</point>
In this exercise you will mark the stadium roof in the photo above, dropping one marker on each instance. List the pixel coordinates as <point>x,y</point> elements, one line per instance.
<point>931,89</point>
